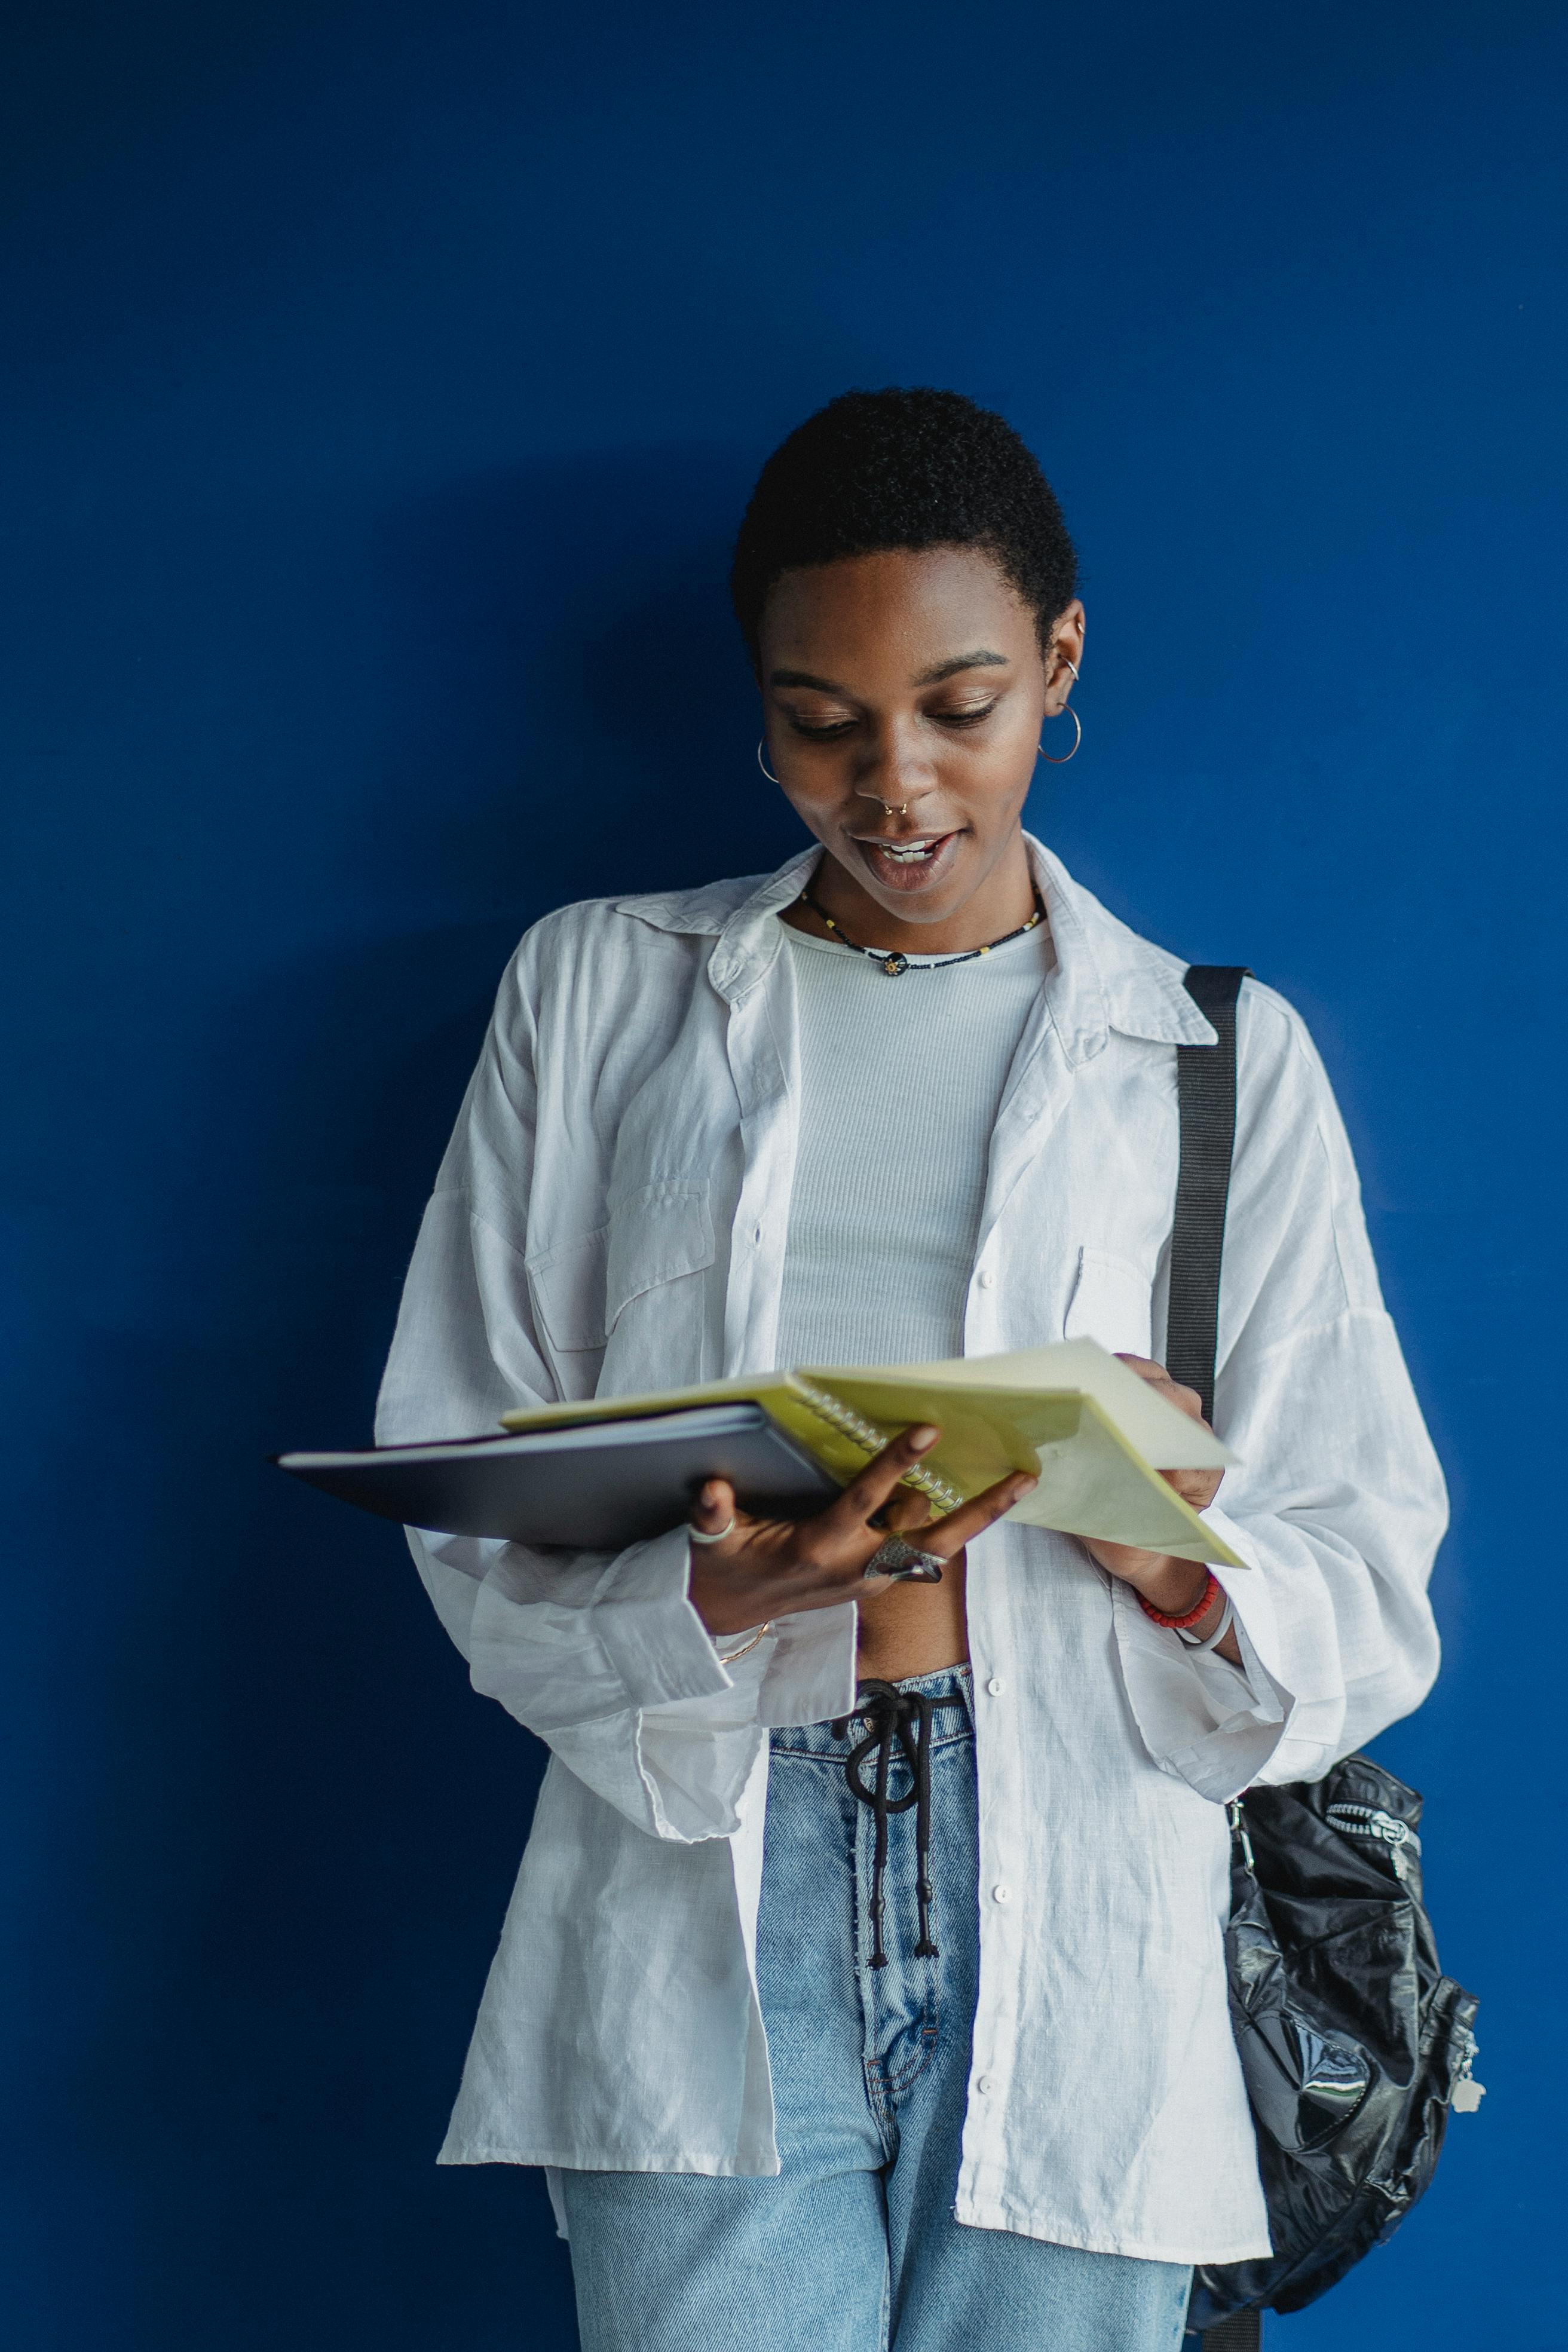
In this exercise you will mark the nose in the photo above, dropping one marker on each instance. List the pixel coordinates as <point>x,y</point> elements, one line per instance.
<point>893,774</point>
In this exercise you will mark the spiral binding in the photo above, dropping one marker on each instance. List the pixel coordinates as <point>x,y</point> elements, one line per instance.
<point>851,1424</point>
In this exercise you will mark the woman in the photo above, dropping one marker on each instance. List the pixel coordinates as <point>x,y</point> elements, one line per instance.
<point>962,2073</point>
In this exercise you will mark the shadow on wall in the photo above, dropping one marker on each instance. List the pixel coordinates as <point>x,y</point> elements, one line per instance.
<point>314,1824</point>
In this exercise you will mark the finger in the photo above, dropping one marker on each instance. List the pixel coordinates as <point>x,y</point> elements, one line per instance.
<point>959,1527</point>
<point>1197,1488</point>
<point>1185,1400</point>
<point>909,1508</point>
<point>714,1507</point>
<point>872,1487</point>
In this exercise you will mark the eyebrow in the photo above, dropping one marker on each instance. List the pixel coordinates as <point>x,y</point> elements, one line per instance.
<point>981,660</point>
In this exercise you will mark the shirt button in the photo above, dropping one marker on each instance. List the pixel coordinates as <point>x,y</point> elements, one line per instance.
<point>996,1686</point>
<point>1001,1895</point>
<point>987,1279</point>
<point>986,2084</point>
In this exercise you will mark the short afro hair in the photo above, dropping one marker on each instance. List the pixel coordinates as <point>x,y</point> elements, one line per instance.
<point>874,470</point>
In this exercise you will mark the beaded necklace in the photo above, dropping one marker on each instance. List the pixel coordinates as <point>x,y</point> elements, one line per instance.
<point>895,965</point>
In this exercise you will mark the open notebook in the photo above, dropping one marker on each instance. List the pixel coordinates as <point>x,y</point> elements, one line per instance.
<point>614,1469</point>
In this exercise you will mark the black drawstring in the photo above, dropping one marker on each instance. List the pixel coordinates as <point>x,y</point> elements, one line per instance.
<point>905,1715</point>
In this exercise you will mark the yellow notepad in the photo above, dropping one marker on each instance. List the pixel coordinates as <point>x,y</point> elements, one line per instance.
<point>1094,1433</point>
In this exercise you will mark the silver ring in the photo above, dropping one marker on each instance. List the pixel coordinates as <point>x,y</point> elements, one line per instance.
<point>698,1537</point>
<point>901,1560</point>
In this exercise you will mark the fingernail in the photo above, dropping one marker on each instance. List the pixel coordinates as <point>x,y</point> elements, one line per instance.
<point>1024,1486</point>
<point>922,1440</point>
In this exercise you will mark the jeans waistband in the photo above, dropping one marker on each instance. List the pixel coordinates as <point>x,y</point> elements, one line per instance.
<point>835,1738</point>
<point>903,1720</point>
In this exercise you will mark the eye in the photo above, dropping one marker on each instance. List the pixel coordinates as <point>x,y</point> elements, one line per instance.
<point>820,730</point>
<point>970,718</point>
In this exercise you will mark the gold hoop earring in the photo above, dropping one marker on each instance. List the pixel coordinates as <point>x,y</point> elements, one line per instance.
<point>763,763</point>
<point>1067,711</point>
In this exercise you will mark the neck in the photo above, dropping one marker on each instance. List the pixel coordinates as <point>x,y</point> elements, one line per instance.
<point>1004,898</point>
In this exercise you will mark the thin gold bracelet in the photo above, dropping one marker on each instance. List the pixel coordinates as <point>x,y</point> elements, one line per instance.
<point>728,1657</point>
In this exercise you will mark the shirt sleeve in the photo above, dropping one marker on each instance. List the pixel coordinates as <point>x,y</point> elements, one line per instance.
<point>602,1656</point>
<point>1338,1502</point>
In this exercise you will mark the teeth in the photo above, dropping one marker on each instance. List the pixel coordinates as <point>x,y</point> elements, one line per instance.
<point>907,853</point>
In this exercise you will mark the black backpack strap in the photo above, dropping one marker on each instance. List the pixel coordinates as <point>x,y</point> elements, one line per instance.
<point>1243,2331</point>
<point>1206,1097</point>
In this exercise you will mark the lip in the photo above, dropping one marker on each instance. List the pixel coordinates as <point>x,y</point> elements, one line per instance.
<point>889,873</point>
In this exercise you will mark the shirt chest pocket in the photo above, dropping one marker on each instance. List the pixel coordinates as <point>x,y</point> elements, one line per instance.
<point>659,1249</point>
<point>566,1285</point>
<point>1112,1302</point>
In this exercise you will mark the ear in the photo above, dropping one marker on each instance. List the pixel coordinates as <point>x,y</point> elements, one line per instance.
<point>1067,647</point>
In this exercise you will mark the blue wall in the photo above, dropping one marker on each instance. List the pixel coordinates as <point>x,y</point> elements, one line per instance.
<point>384,384</point>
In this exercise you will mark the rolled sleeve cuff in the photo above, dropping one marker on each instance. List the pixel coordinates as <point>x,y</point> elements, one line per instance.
<point>1257,1632</point>
<point>651,1633</point>
<point>662,1651</point>
<point>1211,1724</point>
<point>810,1677</point>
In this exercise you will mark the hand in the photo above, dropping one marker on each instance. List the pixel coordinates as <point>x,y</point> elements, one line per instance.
<point>1173,1586</point>
<point>771,1568</point>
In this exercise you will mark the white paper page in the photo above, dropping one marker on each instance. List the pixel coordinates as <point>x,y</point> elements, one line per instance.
<point>1162,1435</point>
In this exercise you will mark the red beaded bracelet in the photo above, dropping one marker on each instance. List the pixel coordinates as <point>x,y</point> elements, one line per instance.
<point>1212,1589</point>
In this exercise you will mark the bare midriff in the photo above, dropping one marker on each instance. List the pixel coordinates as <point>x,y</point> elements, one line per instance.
<point>914,1629</point>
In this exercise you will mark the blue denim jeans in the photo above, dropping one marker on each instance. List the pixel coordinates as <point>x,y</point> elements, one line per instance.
<point>853,2246</point>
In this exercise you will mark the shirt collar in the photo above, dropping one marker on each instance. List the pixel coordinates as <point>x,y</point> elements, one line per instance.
<point>1105,977</point>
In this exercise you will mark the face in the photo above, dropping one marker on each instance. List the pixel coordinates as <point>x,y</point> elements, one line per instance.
<point>904,695</point>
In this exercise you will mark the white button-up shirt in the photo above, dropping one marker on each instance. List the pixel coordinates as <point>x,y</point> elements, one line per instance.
<point>610,1218</point>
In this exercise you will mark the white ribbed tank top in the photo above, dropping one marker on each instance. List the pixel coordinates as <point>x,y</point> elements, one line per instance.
<point>901,1083</point>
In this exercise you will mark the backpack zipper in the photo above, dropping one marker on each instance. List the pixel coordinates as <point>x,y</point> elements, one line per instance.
<point>1467,2094</point>
<point>1381,1828</point>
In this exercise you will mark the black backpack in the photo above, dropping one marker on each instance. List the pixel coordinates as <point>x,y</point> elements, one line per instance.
<point>1354,2044</point>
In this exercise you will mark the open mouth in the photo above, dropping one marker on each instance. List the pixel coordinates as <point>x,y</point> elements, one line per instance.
<point>907,862</point>
<point>910,853</point>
